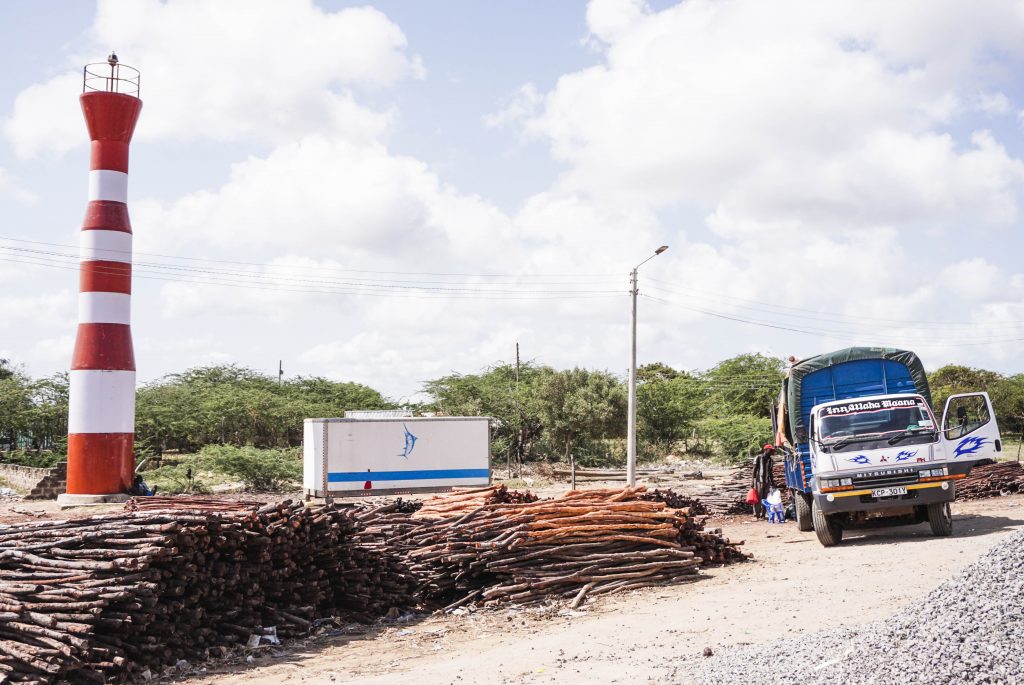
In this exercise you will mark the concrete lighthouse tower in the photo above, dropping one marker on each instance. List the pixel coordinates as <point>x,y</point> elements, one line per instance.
<point>101,415</point>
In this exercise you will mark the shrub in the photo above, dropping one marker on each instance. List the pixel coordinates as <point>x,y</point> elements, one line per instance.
<point>176,479</point>
<point>42,460</point>
<point>260,470</point>
<point>736,438</point>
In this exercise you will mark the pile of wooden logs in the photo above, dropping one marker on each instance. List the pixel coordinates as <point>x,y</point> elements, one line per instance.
<point>465,501</point>
<point>581,544</point>
<point>94,599</point>
<point>991,480</point>
<point>729,495</point>
<point>675,500</point>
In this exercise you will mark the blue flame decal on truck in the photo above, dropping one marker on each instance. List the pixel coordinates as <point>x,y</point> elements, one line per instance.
<point>968,445</point>
<point>905,455</point>
<point>860,459</point>
<point>410,443</point>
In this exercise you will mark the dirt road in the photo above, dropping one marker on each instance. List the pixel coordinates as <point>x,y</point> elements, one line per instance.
<point>794,586</point>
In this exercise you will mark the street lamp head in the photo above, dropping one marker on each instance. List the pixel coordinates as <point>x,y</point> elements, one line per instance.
<point>661,249</point>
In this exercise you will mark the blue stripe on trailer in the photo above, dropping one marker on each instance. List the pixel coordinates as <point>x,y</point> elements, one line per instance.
<point>438,474</point>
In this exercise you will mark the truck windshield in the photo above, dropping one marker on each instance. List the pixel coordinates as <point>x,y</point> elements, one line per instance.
<point>871,424</point>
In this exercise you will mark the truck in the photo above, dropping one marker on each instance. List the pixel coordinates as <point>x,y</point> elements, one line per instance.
<point>862,446</point>
<point>387,455</point>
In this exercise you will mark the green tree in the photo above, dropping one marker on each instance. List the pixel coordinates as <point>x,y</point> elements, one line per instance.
<point>579,406</point>
<point>735,439</point>
<point>238,406</point>
<point>1008,401</point>
<point>15,407</point>
<point>745,384</point>
<point>668,405</point>
<point>503,392</point>
<point>1007,393</point>
<point>47,421</point>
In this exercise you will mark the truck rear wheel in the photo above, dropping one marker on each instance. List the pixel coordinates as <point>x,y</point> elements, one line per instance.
<point>802,504</point>
<point>826,527</point>
<point>940,519</point>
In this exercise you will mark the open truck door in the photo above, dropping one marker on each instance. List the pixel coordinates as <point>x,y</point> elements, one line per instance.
<point>970,433</point>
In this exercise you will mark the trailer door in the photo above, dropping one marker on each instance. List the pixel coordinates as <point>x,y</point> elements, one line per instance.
<point>969,429</point>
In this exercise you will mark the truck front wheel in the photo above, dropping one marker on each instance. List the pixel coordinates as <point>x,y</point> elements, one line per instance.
<point>940,519</point>
<point>802,504</point>
<point>826,527</point>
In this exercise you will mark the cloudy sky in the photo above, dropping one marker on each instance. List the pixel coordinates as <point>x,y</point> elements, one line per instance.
<point>386,193</point>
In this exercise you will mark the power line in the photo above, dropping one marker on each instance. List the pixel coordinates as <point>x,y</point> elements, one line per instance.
<point>212,280</point>
<point>814,315</point>
<point>46,258</point>
<point>823,332</point>
<point>603,276</point>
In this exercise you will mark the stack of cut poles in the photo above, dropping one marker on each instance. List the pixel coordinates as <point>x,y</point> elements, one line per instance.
<point>729,495</point>
<point>467,500</point>
<point>584,543</point>
<point>992,480</point>
<point>96,599</point>
<point>675,500</point>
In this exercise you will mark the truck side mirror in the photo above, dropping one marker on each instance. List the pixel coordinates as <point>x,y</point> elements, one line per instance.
<point>801,435</point>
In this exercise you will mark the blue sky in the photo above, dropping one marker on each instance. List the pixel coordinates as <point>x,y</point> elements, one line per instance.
<point>852,171</point>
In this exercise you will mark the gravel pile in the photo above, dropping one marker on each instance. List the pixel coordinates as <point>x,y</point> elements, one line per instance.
<point>968,630</point>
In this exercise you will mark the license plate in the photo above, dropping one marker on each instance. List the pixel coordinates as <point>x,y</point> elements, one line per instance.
<point>888,492</point>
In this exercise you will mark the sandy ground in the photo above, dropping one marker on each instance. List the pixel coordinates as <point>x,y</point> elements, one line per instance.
<point>794,586</point>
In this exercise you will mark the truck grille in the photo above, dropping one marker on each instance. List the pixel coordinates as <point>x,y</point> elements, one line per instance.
<point>885,478</point>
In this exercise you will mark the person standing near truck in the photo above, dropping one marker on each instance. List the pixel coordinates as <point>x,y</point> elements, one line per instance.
<point>762,480</point>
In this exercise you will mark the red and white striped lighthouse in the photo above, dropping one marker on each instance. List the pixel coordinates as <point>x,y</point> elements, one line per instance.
<point>101,415</point>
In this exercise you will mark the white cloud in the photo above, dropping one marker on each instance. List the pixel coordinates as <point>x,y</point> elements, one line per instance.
<point>993,103</point>
<point>229,70</point>
<point>10,187</point>
<point>813,152</point>
<point>522,105</point>
<point>974,279</point>
<point>331,198</point>
<point>608,19</point>
<point>38,309</point>
<point>786,111</point>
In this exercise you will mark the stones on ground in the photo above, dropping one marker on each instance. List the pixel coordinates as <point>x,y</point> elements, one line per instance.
<point>966,631</point>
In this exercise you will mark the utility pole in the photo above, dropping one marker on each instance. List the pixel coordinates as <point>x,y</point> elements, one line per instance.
<point>280,371</point>
<point>517,364</point>
<point>631,420</point>
<point>519,437</point>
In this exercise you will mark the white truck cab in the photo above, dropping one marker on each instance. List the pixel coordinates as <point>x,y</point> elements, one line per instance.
<point>885,459</point>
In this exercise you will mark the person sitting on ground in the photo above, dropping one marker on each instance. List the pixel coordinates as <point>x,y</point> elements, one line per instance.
<point>762,479</point>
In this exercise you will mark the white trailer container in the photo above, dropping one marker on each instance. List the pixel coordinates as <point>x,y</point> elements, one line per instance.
<point>345,457</point>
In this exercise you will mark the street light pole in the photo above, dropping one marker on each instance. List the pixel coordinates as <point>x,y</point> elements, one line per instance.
<point>631,409</point>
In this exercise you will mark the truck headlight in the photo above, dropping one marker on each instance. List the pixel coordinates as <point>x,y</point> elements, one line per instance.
<point>846,481</point>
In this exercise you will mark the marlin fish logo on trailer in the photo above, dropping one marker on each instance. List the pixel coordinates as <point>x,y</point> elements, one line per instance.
<point>410,443</point>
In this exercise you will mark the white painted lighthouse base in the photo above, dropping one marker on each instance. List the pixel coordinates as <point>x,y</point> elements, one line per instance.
<point>67,500</point>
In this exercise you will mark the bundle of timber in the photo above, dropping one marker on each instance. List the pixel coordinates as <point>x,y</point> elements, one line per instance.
<point>192,503</point>
<point>728,496</point>
<point>465,501</point>
<point>992,480</point>
<point>583,543</point>
<point>779,478</point>
<point>99,598</point>
<point>676,501</point>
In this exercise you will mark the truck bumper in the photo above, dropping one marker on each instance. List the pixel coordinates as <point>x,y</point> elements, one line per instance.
<point>860,500</point>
